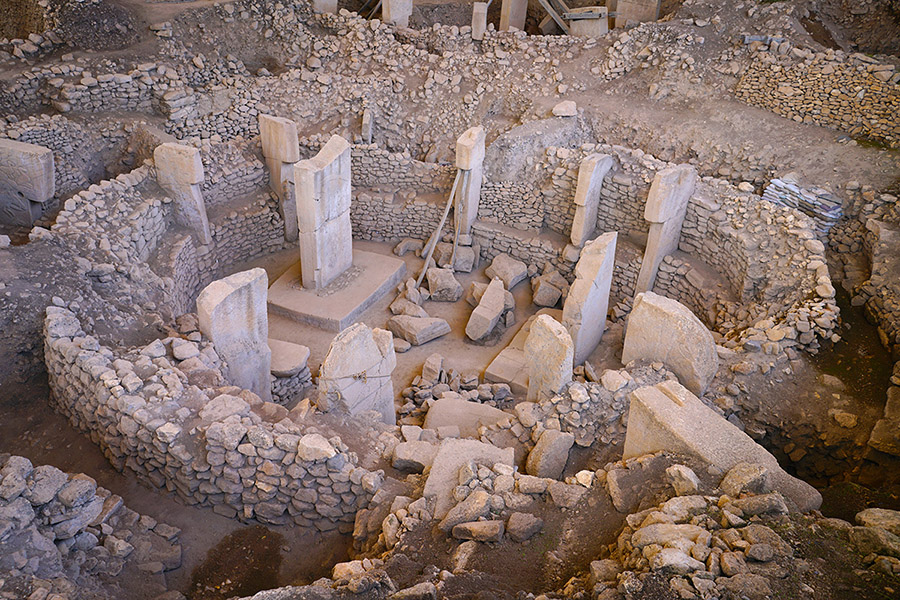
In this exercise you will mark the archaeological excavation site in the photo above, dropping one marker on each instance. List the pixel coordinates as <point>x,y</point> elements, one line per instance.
<point>441,299</point>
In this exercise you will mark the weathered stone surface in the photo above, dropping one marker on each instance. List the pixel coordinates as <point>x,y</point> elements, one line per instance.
<point>27,180</point>
<point>587,196</point>
<point>179,171</point>
<point>548,356</point>
<point>548,457</point>
<point>664,330</point>
<point>745,477</point>
<point>414,457</point>
<point>523,526</point>
<point>443,285</point>
<point>480,531</point>
<point>397,12</point>
<point>886,519</point>
<point>466,415</point>
<point>356,372</point>
<point>669,417</point>
<point>683,480</point>
<point>875,540</point>
<point>470,152</point>
<point>454,453</point>
<point>418,330</point>
<point>288,358</point>
<point>313,447</point>
<point>232,313</point>
<point>584,312</point>
<point>486,315</point>
<point>223,406</point>
<point>507,268</point>
<point>476,505</point>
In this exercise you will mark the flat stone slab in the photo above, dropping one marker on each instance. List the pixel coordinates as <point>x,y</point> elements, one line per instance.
<point>288,358</point>
<point>466,415</point>
<point>340,304</point>
<point>444,474</point>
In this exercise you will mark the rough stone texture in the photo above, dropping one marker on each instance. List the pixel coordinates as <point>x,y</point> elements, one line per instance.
<point>454,453</point>
<point>585,308</point>
<point>356,372</point>
<point>443,285</point>
<point>469,159</point>
<point>523,526</point>
<point>27,180</point>
<point>397,12</point>
<point>669,417</point>
<point>418,330</point>
<point>661,329</point>
<point>548,358</point>
<point>486,315</point>
<point>466,415</point>
<point>886,519</point>
<point>548,457</point>
<point>281,150</point>
<point>507,268</point>
<point>232,313</point>
<point>179,170</point>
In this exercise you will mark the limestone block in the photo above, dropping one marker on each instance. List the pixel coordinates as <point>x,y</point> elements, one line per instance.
<point>664,330</point>
<point>470,149</point>
<point>466,415</point>
<point>396,12</point>
<point>479,20</point>
<point>288,358</point>
<point>668,417</point>
<point>566,108</point>
<point>486,315</point>
<point>508,269</point>
<point>27,180</point>
<point>325,6</point>
<point>584,311</point>
<point>232,313</point>
<point>279,138</point>
<point>177,165</point>
<point>443,285</point>
<point>418,330</point>
<point>548,457</point>
<point>637,11</point>
<point>548,356</point>
<point>669,193</point>
<point>322,185</point>
<point>453,454</point>
<point>590,27</point>
<point>356,372</point>
<point>415,456</point>
<point>587,195</point>
<point>325,254</point>
<point>512,14</point>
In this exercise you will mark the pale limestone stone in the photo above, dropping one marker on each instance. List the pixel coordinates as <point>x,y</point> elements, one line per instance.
<point>356,372</point>
<point>288,358</point>
<point>453,454</point>
<point>418,330</point>
<point>466,415</point>
<point>179,171</point>
<point>664,330</point>
<point>486,315</point>
<point>232,313</point>
<point>507,268</point>
<point>512,14</point>
<point>587,195</point>
<point>396,12</point>
<point>27,180</point>
<point>548,457</point>
<point>325,6</point>
<point>281,150</point>
<point>479,20</point>
<point>590,27</point>
<point>548,354</point>
<point>584,311</point>
<point>637,11</point>
<point>470,152</point>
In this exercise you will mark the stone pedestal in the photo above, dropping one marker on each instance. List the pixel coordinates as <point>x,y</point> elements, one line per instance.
<point>666,206</point>
<point>396,12</point>
<point>469,159</point>
<point>179,171</point>
<point>27,180</point>
<point>281,150</point>
<point>322,189</point>
<point>584,311</point>
<point>232,314</point>
<point>587,196</point>
<point>512,14</point>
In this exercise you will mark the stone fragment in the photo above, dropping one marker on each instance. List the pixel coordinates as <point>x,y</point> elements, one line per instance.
<point>584,312</point>
<point>466,415</point>
<point>886,519</point>
<point>288,358</point>
<point>508,269</point>
<point>548,356</point>
<point>480,531</point>
<point>314,447</point>
<point>443,285</point>
<point>548,457</point>
<point>413,457</point>
<point>745,477</point>
<point>453,454</point>
<point>683,480</point>
<point>523,526</point>
<point>418,330</point>
<point>27,181</point>
<point>566,108</point>
<point>487,314</point>
<point>476,505</point>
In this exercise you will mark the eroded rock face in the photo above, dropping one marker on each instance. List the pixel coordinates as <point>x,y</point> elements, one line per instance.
<point>356,372</point>
<point>664,330</point>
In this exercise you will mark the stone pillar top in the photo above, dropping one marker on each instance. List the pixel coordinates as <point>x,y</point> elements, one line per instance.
<point>669,193</point>
<point>177,164</point>
<point>279,138</point>
<point>28,169</point>
<point>470,149</point>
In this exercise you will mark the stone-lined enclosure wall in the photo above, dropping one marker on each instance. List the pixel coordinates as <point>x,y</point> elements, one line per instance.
<point>215,446</point>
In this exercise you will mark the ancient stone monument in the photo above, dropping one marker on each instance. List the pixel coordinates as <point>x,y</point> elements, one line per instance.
<point>666,206</point>
<point>587,195</point>
<point>281,150</point>
<point>479,20</point>
<point>548,354</point>
<point>232,314</point>
<point>584,311</point>
<point>356,373</point>
<point>396,12</point>
<point>469,160</point>
<point>325,6</point>
<point>27,180</point>
<point>179,171</point>
<point>512,14</point>
<point>662,329</point>
<point>638,11</point>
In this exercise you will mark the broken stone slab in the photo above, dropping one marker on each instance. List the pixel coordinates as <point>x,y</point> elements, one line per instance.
<point>566,108</point>
<point>668,417</point>
<point>356,372</point>
<point>587,195</point>
<point>463,262</point>
<point>683,480</point>
<point>523,526</point>
<point>507,268</point>
<point>232,314</point>
<point>27,180</point>
<point>418,330</point>
<point>453,454</point>
<point>466,415</point>
<point>288,358</point>
<point>414,456</point>
<point>549,456</point>
<point>549,288</point>
<point>886,519</point>
<point>487,314</point>
<point>179,171</point>
<point>548,356</point>
<point>664,330</point>
<point>480,531</point>
<point>511,366</point>
<point>584,312</point>
<point>443,285</point>
<point>476,505</point>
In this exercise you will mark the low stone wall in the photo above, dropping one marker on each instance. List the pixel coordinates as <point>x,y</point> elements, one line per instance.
<point>231,171</point>
<point>215,446</point>
<point>511,203</point>
<point>857,94</point>
<point>389,216</point>
<point>376,168</point>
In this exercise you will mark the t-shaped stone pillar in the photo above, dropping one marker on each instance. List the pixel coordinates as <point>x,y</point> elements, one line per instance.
<point>27,180</point>
<point>479,20</point>
<point>322,189</point>
<point>584,311</point>
<point>666,206</point>
<point>396,12</point>
<point>469,158</point>
<point>232,313</point>
<point>587,195</point>
<point>548,358</point>
<point>281,150</point>
<point>512,14</point>
<point>179,171</point>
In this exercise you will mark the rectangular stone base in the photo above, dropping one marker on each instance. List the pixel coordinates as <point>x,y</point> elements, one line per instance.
<point>341,303</point>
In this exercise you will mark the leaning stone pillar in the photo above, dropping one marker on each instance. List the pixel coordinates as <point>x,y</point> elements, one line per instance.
<point>396,12</point>
<point>512,14</point>
<point>584,311</point>
<point>548,358</point>
<point>666,206</point>
<point>322,189</point>
<point>281,150</point>
<point>469,158</point>
<point>27,180</point>
<point>179,171</point>
<point>587,196</point>
<point>232,314</point>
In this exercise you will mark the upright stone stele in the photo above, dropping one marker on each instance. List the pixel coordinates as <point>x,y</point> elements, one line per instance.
<point>27,180</point>
<point>324,6</point>
<point>479,20</point>
<point>396,12</point>
<point>666,206</point>
<point>584,311</point>
<point>179,171</point>
<point>512,14</point>
<point>636,11</point>
<point>356,373</point>
<point>232,314</point>
<point>587,196</point>
<point>281,150</point>
<point>322,189</point>
<point>548,358</point>
<point>469,159</point>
